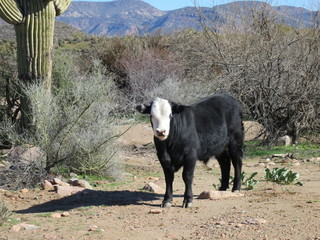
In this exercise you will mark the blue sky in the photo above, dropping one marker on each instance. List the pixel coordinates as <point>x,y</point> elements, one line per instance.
<point>175,4</point>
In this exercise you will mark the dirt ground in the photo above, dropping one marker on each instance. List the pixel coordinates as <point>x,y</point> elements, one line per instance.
<point>125,211</point>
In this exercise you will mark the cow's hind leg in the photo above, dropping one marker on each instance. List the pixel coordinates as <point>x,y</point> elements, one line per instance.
<point>236,157</point>
<point>224,162</point>
<point>187,175</point>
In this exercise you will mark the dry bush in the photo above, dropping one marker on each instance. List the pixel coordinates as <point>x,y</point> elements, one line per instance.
<point>273,69</point>
<point>141,67</point>
<point>152,73</point>
<point>8,76</point>
<point>74,127</point>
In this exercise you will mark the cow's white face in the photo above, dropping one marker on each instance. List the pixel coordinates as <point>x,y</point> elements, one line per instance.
<point>160,116</point>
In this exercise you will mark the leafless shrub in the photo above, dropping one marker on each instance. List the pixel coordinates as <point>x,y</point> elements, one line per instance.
<point>153,72</point>
<point>74,127</point>
<point>23,175</point>
<point>273,69</point>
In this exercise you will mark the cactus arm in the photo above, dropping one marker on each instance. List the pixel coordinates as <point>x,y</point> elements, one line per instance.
<point>10,12</point>
<point>61,6</point>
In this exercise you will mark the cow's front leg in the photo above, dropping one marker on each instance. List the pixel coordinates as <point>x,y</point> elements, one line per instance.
<point>187,176</point>
<point>225,164</point>
<point>169,176</point>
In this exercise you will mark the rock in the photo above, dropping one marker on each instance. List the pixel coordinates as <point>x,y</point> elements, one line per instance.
<point>29,226</point>
<point>216,195</point>
<point>220,223</point>
<point>15,228</point>
<point>284,141</point>
<point>18,227</point>
<point>56,215</point>
<point>296,164</point>
<point>50,236</point>
<point>282,155</point>
<point>59,182</point>
<point>25,154</point>
<point>152,187</point>
<point>47,185</point>
<point>68,190</point>
<point>94,228</point>
<point>24,190</point>
<point>156,211</point>
<point>65,214</point>
<point>82,183</point>
<point>73,175</point>
<point>254,221</point>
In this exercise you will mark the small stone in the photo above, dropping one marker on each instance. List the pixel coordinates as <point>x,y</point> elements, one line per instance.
<point>152,187</point>
<point>254,221</point>
<point>215,195</point>
<point>271,163</point>
<point>93,228</point>
<point>155,211</point>
<point>15,228</point>
<point>296,164</point>
<point>24,190</point>
<point>239,225</point>
<point>73,175</point>
<point>220,223</point>
<point>68,190</point>
<point>29,226</point>
<point>59,182</point>
<point>47,185</point>
<point>56,215</point>
<point>50,236</point>
<point>82,183</point>
<point>65,214</point>
<point>170,236</point>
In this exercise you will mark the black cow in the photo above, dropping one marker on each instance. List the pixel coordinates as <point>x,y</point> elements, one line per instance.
<point>182,134</point>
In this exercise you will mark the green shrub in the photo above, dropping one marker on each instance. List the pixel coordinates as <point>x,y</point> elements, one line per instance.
<point>282,176</point>
<point>249,182</point>
<point>74,127</point>
<point>5,213</point>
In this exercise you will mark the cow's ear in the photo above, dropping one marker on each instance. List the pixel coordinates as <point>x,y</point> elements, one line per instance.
<point>177,108</point>
<point>144,109</point>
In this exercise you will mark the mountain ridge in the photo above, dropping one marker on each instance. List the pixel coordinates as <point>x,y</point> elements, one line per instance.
<point>136,17</point>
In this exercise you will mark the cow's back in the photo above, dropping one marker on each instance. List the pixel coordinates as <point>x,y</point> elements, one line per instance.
<point>218,119</point>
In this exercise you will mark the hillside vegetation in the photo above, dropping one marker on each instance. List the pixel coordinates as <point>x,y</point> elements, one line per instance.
<point>272,68</point>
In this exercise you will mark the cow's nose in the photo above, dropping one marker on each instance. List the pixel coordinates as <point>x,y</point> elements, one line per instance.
<point>160,132</point>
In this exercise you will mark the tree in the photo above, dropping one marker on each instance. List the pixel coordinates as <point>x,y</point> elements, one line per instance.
<point>33,21</point>
<point>273,69</point>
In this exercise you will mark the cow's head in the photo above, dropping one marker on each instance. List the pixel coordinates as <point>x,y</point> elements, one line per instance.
<point>161,112</point>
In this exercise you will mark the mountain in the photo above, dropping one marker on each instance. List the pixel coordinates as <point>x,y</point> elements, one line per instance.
<point>136,17</point>
<point>62,31</point>
<point>125,17</point>
<point>120,17</point>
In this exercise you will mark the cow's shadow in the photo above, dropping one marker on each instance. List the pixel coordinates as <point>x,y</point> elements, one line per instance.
<point>96,198</point>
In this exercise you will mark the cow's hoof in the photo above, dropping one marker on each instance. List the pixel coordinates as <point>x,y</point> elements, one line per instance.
<point>187,205</point>
<point>236,191</point>
<point>165,204</point>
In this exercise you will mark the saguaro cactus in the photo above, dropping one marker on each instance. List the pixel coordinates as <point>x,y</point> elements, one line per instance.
<point>34,25</point>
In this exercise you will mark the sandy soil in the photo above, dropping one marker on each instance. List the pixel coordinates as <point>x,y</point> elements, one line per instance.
<point>125,211</point>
